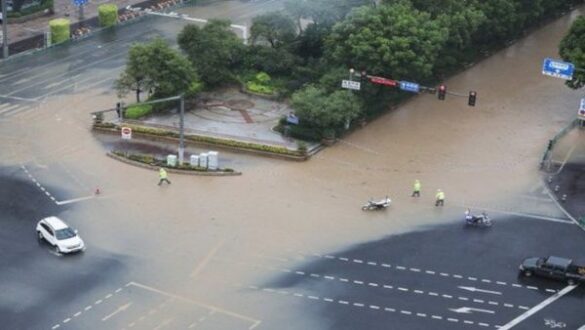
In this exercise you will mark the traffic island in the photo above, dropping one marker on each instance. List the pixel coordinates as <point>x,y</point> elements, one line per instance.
<point>165,135</point>
<point>152,163</point>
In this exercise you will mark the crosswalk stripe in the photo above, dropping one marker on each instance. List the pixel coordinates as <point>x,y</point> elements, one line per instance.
<point>16,111</point>
<point>13,106</point>
<point>4,105</point>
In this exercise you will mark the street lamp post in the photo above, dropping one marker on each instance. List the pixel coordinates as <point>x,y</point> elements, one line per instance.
<point>182,129</point>
<point>4,29</point>
<point>351,72</point>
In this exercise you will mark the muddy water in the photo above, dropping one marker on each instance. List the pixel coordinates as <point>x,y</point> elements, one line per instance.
<point>487,154</point>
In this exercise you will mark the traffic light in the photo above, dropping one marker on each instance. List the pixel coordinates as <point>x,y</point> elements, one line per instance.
<point>471,100</point>
<point>442,92</point>
<point>363,76</point>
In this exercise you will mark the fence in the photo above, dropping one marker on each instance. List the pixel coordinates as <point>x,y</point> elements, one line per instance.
<point>552,142</point>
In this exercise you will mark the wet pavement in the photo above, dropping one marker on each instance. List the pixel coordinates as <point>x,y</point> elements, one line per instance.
<point>228,114</point>
<point>191,250</point>
<point>566,177</point>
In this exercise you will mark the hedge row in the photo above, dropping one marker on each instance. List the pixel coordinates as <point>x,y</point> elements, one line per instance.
<point>208,139</point>
<point>153,161</point>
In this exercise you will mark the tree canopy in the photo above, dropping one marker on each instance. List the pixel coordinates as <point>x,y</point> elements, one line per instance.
<point>323,110</point>
<point>276,28</point>
<point>395,40</point>
<point>157,68</point>
<point>572,49</point>
<point>215,50</point>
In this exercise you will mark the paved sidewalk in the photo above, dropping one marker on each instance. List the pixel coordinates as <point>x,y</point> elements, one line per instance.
<point>229,114</point>
<point>63,9</point>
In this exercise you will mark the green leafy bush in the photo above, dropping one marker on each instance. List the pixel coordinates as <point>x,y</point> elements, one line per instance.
<point>44,5</point>
<point>261,83</point>
<point>216,141</point>
<point>108,14</point>
<point>60,30</point>
<point>255,87</point>
<point>136,111</point>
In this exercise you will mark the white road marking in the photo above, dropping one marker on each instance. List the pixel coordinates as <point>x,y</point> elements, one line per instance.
<point>205,260</point>
<point>473,289</point>
<point>77,314</point>
<point>254,322</point>
<point>117,311</point>
<point>56,326</point>
<point>87,308</point>
<point>538,307</point>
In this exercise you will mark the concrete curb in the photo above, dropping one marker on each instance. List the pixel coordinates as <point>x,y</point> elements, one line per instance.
<point>554,199</point>
<point>169,169</point>
<point>200,143</point>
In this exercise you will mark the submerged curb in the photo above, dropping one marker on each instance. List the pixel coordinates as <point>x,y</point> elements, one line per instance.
<point>188,140</point>
<point>170,169</point>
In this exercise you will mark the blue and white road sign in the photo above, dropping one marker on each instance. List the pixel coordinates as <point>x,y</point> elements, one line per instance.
<point>558,69</point>
<point>80,3</point>
<point>409,86</point>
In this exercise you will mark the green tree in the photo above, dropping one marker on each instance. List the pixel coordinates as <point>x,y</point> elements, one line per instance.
<point>276,28</point>
<point>159,69</point>
<point>312,105</point>
<point>394,40</point>
<point>572,49</point>
<point>214,50</point>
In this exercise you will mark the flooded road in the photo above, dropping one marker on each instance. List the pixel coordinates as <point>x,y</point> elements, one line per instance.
<point>485,156</point>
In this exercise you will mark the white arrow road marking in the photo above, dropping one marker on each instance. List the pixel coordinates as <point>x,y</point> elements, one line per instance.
<point>538,307</point>
<point>469,310</point>
<point>472,289</point>
<point>119,310</point>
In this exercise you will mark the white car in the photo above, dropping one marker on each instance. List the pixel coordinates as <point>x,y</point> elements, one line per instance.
<point>60,235</point>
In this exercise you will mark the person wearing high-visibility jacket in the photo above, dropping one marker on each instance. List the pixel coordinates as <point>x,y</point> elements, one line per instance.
<point>416,188</point>
<point>440,198</point>
<point>162,173</point>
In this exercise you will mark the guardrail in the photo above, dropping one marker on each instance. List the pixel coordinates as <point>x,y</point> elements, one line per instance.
<point>552,142</point>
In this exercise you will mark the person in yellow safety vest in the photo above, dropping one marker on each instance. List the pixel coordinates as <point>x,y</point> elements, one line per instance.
<point>163,176</point>
<point>440,196</point>
<point>416,189</point>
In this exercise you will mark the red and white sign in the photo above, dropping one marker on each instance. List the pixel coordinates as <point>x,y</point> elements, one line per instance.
<point>384,81</point>
<point>126,133</point>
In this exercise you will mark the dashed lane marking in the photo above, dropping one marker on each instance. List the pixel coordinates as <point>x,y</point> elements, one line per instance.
<point>412,269</point>
<point>371,284</point>
<point>382,308</point>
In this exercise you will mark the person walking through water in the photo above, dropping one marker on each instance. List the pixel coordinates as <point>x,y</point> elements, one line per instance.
<point>440,196</point>
<point>163,176</point>
<point>416,189</point>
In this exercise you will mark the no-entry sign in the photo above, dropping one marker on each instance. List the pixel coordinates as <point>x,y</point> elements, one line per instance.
<point>126,133</point>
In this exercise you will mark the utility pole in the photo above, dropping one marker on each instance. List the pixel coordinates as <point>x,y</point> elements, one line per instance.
<point>4,30</point>
<point>182,129</point>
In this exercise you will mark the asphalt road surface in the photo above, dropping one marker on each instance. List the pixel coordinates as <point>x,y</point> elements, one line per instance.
<point>143,241</point>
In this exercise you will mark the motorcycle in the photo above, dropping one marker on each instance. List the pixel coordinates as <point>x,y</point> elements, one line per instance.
<point>478,220</point>
<point>377,205</point>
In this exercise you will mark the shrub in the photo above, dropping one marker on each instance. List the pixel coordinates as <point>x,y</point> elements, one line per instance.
<point>108,14</point>
<point>254,87</point>
<point>302,147</point>
<point>44,5</point>
<point>60,30</point>
<point>138,110</point>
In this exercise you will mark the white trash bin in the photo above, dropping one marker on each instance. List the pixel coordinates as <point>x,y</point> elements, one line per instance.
<point>213,160</point>
<point>172,160</point>
<point>194,160</point>
<point>203,159</point>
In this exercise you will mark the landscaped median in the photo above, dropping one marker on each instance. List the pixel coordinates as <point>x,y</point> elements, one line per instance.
<point>150,162</point>
<point>163,134</point>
